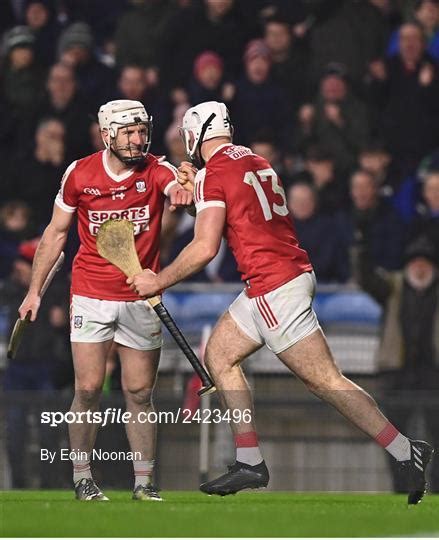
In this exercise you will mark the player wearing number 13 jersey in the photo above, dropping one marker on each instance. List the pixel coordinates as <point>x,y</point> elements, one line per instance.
<point>258,228</point>
<point>238,193</point>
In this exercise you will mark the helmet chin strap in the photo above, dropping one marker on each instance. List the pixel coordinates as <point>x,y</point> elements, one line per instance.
<point>197,158</point>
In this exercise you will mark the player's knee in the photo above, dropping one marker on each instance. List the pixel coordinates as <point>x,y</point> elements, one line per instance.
<point>89,395</point>
<point>138,396</point>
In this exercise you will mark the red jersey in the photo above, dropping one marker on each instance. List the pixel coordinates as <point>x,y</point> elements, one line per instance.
<point>97,194</point>
<point>258,227</point>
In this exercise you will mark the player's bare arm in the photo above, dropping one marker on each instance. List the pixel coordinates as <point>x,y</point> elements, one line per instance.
<point>180,198</point>
<point>49,248</point>
<point>209,227</point>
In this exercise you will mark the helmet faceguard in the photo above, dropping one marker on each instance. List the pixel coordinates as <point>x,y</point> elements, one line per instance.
<point>202,123</point>
<point>125,113</point>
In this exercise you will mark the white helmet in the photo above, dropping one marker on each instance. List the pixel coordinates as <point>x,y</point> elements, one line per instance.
<point>120,113</point>
<point>201,123</point>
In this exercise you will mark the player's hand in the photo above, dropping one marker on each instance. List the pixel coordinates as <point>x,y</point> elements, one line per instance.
<point>144,284</point>
<point>180,198</point>
<point>186,175</point>
<point>31,303</point>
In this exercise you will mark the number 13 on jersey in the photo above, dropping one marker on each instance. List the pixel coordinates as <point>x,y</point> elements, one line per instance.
<point>256,180</point>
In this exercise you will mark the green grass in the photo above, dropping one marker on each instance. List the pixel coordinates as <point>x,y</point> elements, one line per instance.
<point>55,513</point>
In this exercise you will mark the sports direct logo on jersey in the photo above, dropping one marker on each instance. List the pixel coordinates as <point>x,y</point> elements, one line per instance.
<point>139,217</point>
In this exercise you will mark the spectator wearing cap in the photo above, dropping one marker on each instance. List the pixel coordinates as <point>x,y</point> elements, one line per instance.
<point>425,13</point>
<point>336,119</point>
<point>376,221</point>
<point>22,79</point>
<point>258,103</point>
<point>96,81</point>
<point>406,87</point>
<point>409,345</point>
<point>208,78</point>
<point>426,222</point>
<point>40,18</point>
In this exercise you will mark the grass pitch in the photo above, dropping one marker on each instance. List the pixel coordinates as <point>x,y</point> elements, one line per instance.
<point>56,514</point>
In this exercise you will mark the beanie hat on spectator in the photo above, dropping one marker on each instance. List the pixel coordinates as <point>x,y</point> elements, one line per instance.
<point>19,36</point>
<point>256,48</point>
<point>205,59</point>
<point>421,247</point>
<point>77,34</point>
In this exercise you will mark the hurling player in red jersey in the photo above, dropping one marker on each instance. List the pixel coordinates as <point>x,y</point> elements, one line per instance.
<point>123,182</point>
<point>238,194</point>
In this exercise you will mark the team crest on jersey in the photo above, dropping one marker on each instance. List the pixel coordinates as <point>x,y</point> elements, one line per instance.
<point>77,321</point>
<point>141,186</point>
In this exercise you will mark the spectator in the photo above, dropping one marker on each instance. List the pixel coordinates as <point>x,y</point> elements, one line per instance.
<point>329,257</point>
<point>207,81</point>
<point>426,14</point>
<point>133,83</point>
<point>263,145</point>
<point>37,179</point>
<point>409,346</point>
<point>289,68</point>
<point>22,79</point>
<point>426,223</point>
<point>215,25</point>
<point>377,221</point>
<point>42,359</point>
<point>96,81</point>
<point>321,170</point>
<point>259,104</point>
<point>140,32</point>
<point>15,227</point>
<point>406,87</point>
<point>347,32</point>
<point>40,18</point>
<point>337,119</point>
<point>64,102</point>
<point>400,189</point>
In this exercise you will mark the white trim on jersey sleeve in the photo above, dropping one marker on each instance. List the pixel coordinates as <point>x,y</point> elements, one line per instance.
<point>59,202</point>
<point>171,184</point>
<point>59,199</point>
<point>174,181</point>
<point>202,205</point>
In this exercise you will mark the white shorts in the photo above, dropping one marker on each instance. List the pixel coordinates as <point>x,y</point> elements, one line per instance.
<point>281,317</point>
<point>134,324</point>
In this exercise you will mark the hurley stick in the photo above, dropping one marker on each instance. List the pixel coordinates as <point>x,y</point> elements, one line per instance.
<point>115,243</point>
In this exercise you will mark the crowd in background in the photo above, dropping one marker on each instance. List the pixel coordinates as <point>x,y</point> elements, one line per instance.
<point>341,96</point>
